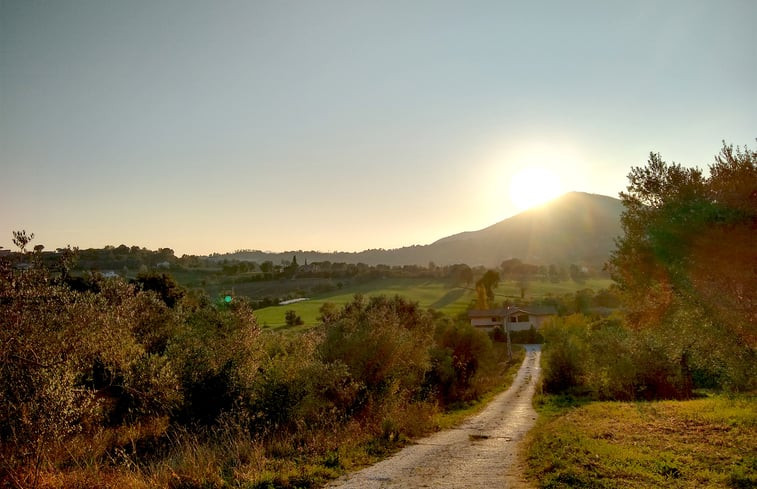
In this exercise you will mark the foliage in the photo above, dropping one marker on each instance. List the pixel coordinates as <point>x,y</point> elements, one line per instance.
<point>685,265</point>
<point>527,337</point>
<point>292,319</point>
<point>163,284</point>
<point>105,383</point>
<point>399,334</point>
<point>489,282</point>
<point>604,359</point>
<point>458,361</point>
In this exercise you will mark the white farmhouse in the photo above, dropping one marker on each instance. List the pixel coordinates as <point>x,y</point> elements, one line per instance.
<point>518,318</point>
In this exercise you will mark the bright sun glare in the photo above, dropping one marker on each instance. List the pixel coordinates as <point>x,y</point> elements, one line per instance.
<point>533,186</point>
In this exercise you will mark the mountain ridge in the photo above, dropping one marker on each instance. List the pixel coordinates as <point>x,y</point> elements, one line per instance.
<point>576,227</point>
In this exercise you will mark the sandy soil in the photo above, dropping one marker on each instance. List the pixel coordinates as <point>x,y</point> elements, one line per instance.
<point>480,453</point>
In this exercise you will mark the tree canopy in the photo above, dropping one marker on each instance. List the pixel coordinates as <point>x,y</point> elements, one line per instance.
<point>688,257</point>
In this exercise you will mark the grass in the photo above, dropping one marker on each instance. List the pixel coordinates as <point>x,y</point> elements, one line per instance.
<point>710,442</point>
<point>440,295</point>
<point>428,293</point>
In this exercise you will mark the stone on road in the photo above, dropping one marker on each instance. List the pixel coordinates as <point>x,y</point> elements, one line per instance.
<point>480,453</point>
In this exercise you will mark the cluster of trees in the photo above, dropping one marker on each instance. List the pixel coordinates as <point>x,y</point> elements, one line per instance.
<point>513,269</point>
<point>685,269</point>
<point>144,376</point>
<point>517,271</point>
<point>134,258</point>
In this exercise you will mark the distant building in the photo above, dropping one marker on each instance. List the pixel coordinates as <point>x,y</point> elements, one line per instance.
<point>163,265</point>
<point>517,318</point>
<point>109,274</point>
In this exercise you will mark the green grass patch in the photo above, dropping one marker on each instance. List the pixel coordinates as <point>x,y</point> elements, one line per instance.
<point>709,442</point>
<point>538,289</point>
<point>443,296</point>
<point>439,294</point>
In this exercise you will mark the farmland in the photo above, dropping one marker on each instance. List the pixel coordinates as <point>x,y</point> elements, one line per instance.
<point>443,296</point>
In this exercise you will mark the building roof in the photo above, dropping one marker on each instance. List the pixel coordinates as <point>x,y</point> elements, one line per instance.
<point>509,311</point>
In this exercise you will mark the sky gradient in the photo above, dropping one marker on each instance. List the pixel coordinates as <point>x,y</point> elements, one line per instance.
<point>345,125</point>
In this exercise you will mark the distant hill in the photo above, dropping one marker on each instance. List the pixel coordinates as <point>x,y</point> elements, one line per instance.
<point>575,228</point>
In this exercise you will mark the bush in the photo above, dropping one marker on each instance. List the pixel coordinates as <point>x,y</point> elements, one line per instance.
<point>384,343</point>
<point>457,359</point>
<point>607,360</point>
<point>528,337</point>
<point>292,319</point>
<point>217,357</point>
<point>564,353</point>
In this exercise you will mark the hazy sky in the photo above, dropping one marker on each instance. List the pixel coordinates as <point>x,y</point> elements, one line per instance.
<point>343,125</point>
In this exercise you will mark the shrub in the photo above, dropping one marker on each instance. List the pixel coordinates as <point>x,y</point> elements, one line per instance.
<point>460,352</point>
<point>383,342</point>
<point>528,337</point>
<point>292,319</point>
<point>564,353</point>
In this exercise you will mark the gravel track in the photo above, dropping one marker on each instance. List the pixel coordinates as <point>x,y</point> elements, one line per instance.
<point>480,453</point>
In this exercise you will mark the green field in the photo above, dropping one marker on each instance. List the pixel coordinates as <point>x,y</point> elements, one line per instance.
<point>440,295</point>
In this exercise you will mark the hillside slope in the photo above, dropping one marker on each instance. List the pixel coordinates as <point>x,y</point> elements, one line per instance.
<point>575,228</point>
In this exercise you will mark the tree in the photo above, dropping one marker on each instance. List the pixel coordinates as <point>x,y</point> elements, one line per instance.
<point>523,281</point>
<point>462,273</point>
<point>489,282</point>
<point>292,319</point>
<point>577,274</point>
<point>685,264</point>
<point>163,284</point>
<point>482,301</point>
<point>21,239</point>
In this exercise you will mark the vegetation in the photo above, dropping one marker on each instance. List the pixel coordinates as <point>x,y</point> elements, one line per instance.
<point>706,442</point>
<point>685,273</point>
<point>686,278</point>
<point>450,299</point>
<point>449,289</point>
<point>106,383</point>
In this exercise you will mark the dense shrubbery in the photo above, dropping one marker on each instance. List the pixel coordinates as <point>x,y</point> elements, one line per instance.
<point>148,381</point>
<point>685,272</point>
<point>606,359</point>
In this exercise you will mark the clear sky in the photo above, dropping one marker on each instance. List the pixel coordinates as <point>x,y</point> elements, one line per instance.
<point>343,125</point>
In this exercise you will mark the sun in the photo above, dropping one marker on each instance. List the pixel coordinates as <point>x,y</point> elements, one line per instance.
<point>533,186</point>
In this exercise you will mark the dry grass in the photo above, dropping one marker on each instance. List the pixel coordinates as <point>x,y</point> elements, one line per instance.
<point>679,444</point>
<point>229,457</point>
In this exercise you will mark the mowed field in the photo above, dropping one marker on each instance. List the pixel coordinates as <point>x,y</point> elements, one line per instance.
<point>450,299</point>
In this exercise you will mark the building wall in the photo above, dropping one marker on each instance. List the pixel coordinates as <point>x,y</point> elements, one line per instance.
<point>489,322</point>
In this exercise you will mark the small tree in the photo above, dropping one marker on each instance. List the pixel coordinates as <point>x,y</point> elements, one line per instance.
<point>489,282</point>
<point>21,239</point>
<point>292,319</point>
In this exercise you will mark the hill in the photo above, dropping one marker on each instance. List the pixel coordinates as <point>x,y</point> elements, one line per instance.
<point>575,228</point>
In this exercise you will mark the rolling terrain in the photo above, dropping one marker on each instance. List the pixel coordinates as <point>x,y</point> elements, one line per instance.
<point>450,299</point>
<point>574,228</point>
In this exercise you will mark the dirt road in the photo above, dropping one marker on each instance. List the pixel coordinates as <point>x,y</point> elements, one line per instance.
<point>480,453</point>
